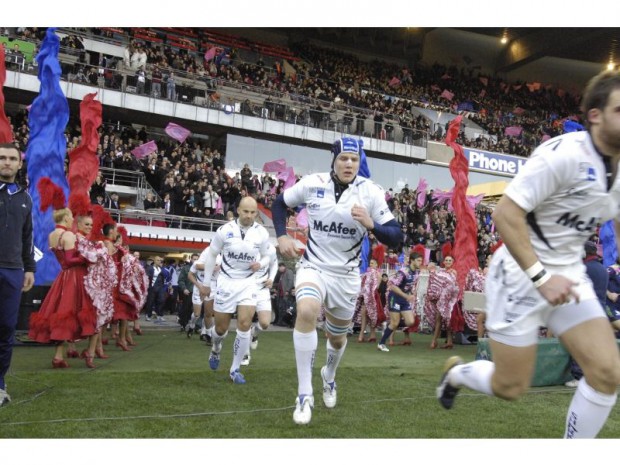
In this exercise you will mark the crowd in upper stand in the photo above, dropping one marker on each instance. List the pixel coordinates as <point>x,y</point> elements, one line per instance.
<point>188,179</point>
<point>384,95</point>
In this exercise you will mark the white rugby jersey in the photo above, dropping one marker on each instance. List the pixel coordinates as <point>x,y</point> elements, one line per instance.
<point>200,274</point>
<point>269,271</point>
<point>240,247</point>
<point>563,187</point>
<point>334,237</point>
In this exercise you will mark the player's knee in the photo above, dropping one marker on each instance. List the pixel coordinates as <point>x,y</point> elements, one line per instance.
<point>508,389</point>
<point>604,375</point>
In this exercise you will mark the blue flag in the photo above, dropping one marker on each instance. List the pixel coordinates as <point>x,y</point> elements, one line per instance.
<point>47,147</point>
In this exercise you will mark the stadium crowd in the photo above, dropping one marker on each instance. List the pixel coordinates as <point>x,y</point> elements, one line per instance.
<point>514,116</point>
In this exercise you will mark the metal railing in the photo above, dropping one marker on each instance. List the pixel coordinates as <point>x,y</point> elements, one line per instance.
<point>134,179</point>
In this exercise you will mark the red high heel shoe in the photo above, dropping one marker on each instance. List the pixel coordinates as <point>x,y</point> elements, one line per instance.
<point>130,342</point>
<point>123,346</point>
<point>101,354</point>
<point>104,341</point>
<point>433,345</point>
<point>73,354</point>
<point>406,342</point>
<point>88,359</point>
<point>447,346</point>
<point>138,331</point>
<point>372,339</point>
<point>59,363</point>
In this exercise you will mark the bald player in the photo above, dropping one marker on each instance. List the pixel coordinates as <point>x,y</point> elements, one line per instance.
<point>244,246</point>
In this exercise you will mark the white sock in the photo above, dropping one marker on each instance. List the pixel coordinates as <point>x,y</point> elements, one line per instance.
<point>192,321</point>
<point>216,339</point>
<point>305,348</point>
<point>588,412</point>
<point>240,348</point>
<point>333,360</point>
<point>475,375</point>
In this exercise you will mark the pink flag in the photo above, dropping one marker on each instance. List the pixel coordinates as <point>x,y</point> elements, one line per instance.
<point>518,111</point>
<point>513,130</point>
<point>210,54</point>
<point>288,176</point>
<point>218,206</point>
<point>302,218</point>
<point>177,132</point>
<point>427,255</point>
<point>545,138</point>
<point>143,150</point>
<point>421,190</point>
<point>275,166</point>
<point>492,227</point>
<point>447,94</point>
<point>394,81</point>
<point>446,76</point>
<point>474,200</point>
<point>436,87</point>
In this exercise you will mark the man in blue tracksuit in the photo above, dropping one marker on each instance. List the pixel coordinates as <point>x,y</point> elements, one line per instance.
<point>17,263</point>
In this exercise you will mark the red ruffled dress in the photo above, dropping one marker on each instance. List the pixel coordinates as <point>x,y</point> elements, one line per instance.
<point>67,312</point>
<point>132,288</point>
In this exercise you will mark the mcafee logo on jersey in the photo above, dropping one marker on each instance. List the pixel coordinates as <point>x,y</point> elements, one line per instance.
<point>577,223</point>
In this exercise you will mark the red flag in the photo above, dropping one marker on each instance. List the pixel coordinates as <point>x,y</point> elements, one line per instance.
<point>394,81</point>
<point>177,132</point>
<point>447,94</point>
<point>533,86</point>
<point>275,166</point>
<point>518,111</point>
<point>6,135</point>
<point>143,150</point>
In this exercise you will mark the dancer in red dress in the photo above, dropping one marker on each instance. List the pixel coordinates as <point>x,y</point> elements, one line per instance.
<point>130,292</point>
<point>67,312</point>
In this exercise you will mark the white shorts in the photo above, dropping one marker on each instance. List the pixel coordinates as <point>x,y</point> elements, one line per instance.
<point>233,292</point>
<point>338,293</point>
<point>515,309</point>
<point>263,300</point>
<point>196,300</point>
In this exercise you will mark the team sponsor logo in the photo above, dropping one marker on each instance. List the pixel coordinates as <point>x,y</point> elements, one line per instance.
<point>229,235</point>
<point>313,206</point>
<point>242,256</point>
<point>488,161</point>
<point>523,301</point>
<point>334,228</point>
<point>576,222</point>
<point>587,171</point>
<point>320,193</point>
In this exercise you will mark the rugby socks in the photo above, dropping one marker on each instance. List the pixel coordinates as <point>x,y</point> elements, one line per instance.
<point>333,359</point>
<point>588,412</point>
<point>217,339</point>
<point>475,375</point>
<point>305,348</point>
<point>240,348</point>
<point>386,335</point>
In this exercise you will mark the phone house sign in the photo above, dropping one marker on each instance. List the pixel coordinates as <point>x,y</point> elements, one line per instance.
<point>493,162</point>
